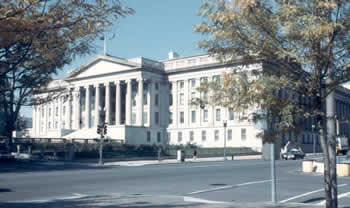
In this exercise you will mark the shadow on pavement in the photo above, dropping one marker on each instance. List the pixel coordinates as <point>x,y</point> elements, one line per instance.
<point>99,202</point>
<point>19,166</point>
<point>314,200</point>
<point>135,201</point>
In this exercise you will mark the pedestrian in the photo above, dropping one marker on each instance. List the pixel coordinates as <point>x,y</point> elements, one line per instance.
<point>195,154</point>
<point>159,151</point>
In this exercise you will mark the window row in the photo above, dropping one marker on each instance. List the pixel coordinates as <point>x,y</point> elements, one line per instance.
<point>231,116</point>
<point>203,135</point>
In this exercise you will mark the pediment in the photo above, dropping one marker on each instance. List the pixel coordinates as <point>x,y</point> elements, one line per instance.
<point>102,65</point>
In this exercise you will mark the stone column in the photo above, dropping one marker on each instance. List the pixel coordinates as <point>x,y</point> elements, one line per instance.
<point>140,103</point>
<point>97,104</point>
<point>187,109</point>
<point>68,113</point>
<point>107,102</point>
<point>53,114</point>
<point>60,117</point>
<point>87,106</point>
<point>117,103</point>
<point>175,104</point>
<point>76,102</point>
<point>34,119</point>
<point>128,103</point>
<point>150,102</point>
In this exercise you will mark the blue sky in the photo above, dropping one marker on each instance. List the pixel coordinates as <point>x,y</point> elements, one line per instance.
<point>157,27</point>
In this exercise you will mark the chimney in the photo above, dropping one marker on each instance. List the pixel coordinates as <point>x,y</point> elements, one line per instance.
<point>173,55</point>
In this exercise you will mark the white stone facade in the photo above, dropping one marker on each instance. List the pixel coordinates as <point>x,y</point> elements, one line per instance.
<point>145,102</point>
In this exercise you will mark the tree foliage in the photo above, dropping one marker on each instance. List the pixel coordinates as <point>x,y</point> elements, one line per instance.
<point>304,46</point>
<point>39,37</point>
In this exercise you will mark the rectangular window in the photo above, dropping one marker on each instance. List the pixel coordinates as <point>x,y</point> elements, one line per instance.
<point>156,119</point>
<point>204,135</point>
<point>170,117</point>
<point>156,85</point>
<point>205,115</point>
<point>156,100</point>
<point>218,117</point>
<point>191,136</point>
<point>182,117</point>
<point>42,112</point>
<point>243,134</point>
<point>49,112</point>
<point>229,134</point>
<point>181,84</point>
<point>148,136</point>
<point>181,98</point>
<point>193,116</point>
<point>171,99</point>
<point>179,136</point>
<point>158,137</point>
<point>64,110</point>
<point>63,124</point>
<point>145,100</point>
<point>170,86</point>
<point>49,125</point>
<point>193,95</point>
<point>133,118</point>
<point>145,117</point>
<point>216,135</point>
<point>231,114</point>
<point>204,79</point>
<point>193,83</point>
<point>216,79</point>
<point>56,125</point>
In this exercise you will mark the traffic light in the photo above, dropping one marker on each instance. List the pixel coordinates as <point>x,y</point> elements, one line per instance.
<point>105,129</point>
<point>98,130</point>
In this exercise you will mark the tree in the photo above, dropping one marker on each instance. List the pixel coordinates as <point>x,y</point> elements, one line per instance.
<point>304,44</point>
<point>39,37</point>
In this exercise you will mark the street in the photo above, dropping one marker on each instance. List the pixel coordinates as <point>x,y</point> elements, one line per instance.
<point>205,182</point>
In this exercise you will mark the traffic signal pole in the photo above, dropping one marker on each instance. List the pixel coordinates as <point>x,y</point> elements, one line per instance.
<point>102,131</point>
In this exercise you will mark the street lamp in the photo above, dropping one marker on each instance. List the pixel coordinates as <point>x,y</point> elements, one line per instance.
<point>225,125</point>
<point>102,130</point>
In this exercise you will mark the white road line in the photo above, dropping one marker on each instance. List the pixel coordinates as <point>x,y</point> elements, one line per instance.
<point>227,187</point>
<point>75,196</point>
<point>339,197</point>
<point>307,193</point>
<point>198,200</point>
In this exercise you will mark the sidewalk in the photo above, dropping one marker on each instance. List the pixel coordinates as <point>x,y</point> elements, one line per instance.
<point>172,161</point>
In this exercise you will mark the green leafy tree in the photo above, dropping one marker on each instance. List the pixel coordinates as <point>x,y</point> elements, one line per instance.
<point>304,48</point>
<point>38,38</point>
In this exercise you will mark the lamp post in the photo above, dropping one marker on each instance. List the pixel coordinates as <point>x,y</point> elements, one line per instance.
<point>225,125</point>
<point>101,129</point>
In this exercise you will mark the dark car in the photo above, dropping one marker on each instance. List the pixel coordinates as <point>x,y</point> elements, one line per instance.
<point>293,154</point>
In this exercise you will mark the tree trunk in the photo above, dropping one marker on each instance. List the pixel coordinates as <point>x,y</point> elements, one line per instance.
<point>331,144</point>
<point>326,178</point>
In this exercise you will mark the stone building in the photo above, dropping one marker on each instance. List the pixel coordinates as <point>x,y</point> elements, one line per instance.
<point>147,102</point>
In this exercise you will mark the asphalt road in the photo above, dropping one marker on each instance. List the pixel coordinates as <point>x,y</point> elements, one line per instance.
<point>229,181</point>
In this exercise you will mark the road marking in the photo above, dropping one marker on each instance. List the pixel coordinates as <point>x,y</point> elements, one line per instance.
<point>339,197</point>
<point>75,196</point>
<point>307,193</point>
<point>198,200</point>
<point>227,187</point>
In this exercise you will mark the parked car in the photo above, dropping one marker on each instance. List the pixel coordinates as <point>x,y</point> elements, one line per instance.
<point>293,154</point>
